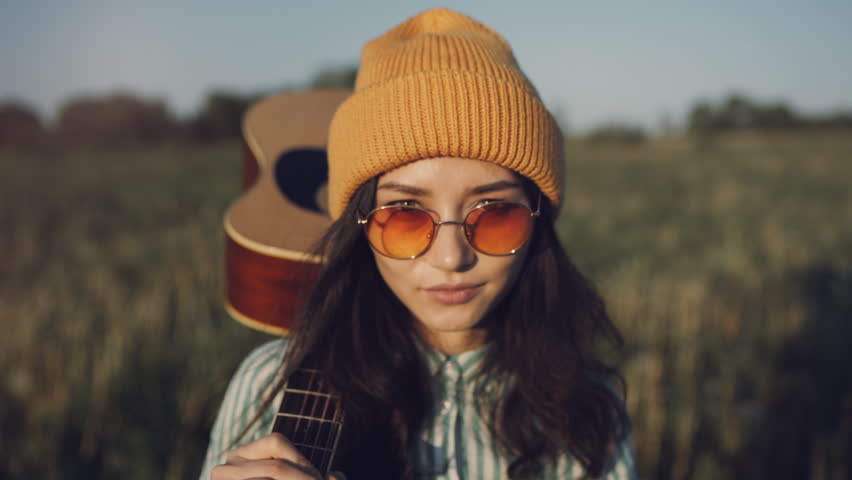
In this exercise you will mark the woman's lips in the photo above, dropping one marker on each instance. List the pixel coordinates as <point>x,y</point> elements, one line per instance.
<point>453,294</point>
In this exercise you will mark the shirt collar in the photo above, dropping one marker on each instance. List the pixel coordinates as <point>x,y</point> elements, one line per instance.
<point>463,365</point>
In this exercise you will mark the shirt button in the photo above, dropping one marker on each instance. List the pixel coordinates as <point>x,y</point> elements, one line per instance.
<point>446,406</point>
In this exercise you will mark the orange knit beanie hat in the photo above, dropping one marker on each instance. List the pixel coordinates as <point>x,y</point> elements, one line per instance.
<point>441,85</point>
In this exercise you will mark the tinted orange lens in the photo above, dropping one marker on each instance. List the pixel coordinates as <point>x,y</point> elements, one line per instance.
<point>400,232</point>
<point>499,228</point>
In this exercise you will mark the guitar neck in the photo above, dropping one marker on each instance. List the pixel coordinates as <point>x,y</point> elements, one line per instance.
<point>310,417</point>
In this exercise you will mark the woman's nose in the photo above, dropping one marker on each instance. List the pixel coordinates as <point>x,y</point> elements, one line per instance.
<point>450,250</point>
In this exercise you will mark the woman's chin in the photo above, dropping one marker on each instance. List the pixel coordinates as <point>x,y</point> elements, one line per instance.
<point>458,325</point>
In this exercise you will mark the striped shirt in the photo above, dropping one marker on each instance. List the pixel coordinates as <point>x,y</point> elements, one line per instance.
<point>456,446</point>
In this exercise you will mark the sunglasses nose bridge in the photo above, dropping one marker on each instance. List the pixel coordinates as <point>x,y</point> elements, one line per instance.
<point>449,222</point>
<point>438,226</point>
<point>452,250</point>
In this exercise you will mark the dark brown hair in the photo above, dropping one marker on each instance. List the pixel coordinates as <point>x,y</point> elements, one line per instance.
<point>544,333</point>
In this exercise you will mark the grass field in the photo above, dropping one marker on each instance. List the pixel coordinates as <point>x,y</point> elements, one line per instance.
<point>728,269</point>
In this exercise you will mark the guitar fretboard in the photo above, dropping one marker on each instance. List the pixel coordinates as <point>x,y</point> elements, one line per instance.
<point>310,417</point>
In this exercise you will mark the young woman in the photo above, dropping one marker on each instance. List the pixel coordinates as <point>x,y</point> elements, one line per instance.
<point>459,337</point>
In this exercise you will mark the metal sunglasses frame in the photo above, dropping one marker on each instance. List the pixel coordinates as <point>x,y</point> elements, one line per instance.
<point>435,224</point>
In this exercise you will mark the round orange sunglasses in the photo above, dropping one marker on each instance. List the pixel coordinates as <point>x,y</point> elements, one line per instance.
<point>405,232</point>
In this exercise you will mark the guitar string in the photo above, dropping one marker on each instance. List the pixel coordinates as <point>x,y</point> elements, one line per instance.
<point>301,413</point>
<point>330,419</point>
<point>304,417</point>
<point>327,450</point>
<point>334,431</point>
<point>282,421</point>
<point>315,441</point>
<point>326,439</point>
<point>310,454</point>
<point>337,427</point>
<point>314,389</point>
<point>326,453</point>
<point>320,387</point>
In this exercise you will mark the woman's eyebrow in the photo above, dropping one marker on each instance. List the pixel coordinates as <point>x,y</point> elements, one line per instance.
<point>493,187</point>
<point>403,188</point>
<point>477,190</point>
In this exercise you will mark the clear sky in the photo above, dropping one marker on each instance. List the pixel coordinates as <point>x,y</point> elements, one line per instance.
<point>591,61</point>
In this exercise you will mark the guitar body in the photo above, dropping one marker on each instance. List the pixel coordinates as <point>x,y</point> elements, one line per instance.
<point>273,226</point>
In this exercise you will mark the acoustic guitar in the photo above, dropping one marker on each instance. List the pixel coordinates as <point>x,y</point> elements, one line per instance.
<point>275,223</point>
<point>270,231</point>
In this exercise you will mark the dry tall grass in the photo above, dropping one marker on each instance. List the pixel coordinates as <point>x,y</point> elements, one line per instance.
<point>716,264</point>
<point>729,271</point>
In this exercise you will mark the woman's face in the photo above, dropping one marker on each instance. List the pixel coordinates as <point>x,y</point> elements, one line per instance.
<point>449,288</point>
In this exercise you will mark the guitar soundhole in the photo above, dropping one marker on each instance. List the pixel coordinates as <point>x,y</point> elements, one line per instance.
<point>310,417</point>
<point>300,174</point>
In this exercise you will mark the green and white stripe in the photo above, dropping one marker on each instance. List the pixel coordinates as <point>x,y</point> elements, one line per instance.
<point>457,446</point>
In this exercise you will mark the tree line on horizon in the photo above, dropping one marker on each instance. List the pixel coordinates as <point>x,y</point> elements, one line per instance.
<point>124,119</point>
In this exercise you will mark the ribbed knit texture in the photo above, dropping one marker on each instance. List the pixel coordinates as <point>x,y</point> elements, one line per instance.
<point>441,85</point>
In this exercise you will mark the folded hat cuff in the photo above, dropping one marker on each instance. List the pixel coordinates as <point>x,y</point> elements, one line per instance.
<point>442,114</point>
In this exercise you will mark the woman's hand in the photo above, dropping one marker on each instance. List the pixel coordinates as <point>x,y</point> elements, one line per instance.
<point>271,457</point>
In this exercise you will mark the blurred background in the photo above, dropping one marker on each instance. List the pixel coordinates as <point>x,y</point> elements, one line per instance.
<point>709,196</point>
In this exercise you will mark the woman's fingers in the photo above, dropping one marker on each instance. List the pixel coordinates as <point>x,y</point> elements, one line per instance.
<point>269,468</point>
<point>273,445</point>
<point>271,457</point>
<point>336,476</point>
